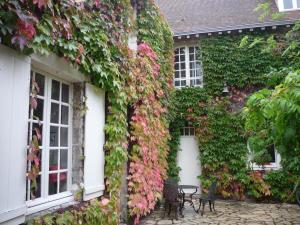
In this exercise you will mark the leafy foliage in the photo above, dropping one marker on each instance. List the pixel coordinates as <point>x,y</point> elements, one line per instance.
<point>150,85</point>
<point>227,61</point>
<point>92,35</point>
<point>272,117</point>
<point>149,136</point>
<point>34,153</point>
<point>223,150</point>
<point>282,185</point>
<point>257,186</point>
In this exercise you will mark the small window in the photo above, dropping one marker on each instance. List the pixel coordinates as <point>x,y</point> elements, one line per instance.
<point>272,157</point>
<point>51,120</point>
<point>188,69</point>
<point>287,5</point>
<point>271,153</point>
<point>187,131</point>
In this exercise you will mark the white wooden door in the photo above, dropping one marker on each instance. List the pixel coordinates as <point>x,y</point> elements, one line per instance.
<point>188,161</point>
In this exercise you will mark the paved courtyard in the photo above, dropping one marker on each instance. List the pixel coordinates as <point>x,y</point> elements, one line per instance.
<point>232,213</point>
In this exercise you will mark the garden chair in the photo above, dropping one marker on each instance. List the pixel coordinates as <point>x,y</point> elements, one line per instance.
<point>172,197</point>
<point>210,198</point>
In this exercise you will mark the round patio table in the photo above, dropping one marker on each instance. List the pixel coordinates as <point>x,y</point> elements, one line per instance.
<point>181,189</point>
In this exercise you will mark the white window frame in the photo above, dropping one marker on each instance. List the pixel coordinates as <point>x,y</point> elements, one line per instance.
<point>280,4</point>
<point>187,68</point>
<point>270,166</point>
<point>187,131</point>
<point>46,201</point>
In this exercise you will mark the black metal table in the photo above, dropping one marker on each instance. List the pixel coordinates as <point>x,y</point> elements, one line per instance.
<point>181,189</point>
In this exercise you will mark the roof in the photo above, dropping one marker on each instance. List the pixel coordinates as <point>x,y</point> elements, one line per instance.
<point>203,16</point>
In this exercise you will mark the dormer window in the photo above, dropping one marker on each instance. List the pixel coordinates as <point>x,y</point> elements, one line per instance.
<point>288,5</point>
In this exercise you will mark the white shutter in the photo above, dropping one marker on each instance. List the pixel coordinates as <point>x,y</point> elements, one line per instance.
<point>14,90</point>
<point>94,142</point>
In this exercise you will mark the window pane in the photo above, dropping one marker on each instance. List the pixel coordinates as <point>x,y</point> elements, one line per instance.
<point>176,66</point>
<point>39,155</point>
<point>182,66</point>
<point>192,131</point>
<point>183,73</point>
<point>186,131</point>
<point>54,112</point>
<point>52,184</point>
<point>176,74</point>
<point>176,51</point>
<point>35,192</point>
<point>287,4</point>
<point>55,90</point>
<point>53,160</point>
<point>40,80</point>
<point>191,50</point>
<point>65,93</point>
<point>192,58</point>
<point>177,83</point>
<point>28,134</point>
<point>182,51</point>
<point>192,82</point>
<point>63,182</point>
<point>63,159</point>
<point>38,112</point>
<point>271,151</point>
<point>30,109</point>
<point>198,73</point>
<point>53,136</point>
<point>176,58</point>
<point>64,114</point>
<point>198,82</point>
<point>37,130</point>
<point>182,58</point>
<point>192,65</point>
<point>183,83</point>
<point>64,137</point>
<point>192,73</point>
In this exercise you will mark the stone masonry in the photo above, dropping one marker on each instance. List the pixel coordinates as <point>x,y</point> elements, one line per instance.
<point>232,213</point>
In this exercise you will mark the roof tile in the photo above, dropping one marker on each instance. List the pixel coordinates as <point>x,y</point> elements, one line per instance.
<point>203,16</point>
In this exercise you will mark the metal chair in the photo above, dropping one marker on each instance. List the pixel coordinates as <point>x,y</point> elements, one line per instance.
<point>210,197</point>
<point>172,197</point>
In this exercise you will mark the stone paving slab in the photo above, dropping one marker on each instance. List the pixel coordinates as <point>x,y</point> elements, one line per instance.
<point>232,213</point>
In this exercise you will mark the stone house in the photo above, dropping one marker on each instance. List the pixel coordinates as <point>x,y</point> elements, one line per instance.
<point>192,20</point>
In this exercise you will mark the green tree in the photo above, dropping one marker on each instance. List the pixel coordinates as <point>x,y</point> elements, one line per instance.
<point>273,116</point>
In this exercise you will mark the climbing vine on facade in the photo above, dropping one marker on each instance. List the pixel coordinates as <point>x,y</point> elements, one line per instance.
<point>151,83</point>
<point>216,115</point>
<point>93,36</point>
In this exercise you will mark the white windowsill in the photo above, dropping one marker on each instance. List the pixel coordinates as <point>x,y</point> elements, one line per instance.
<point>194,86</point>
<point>271,166</point>
<point>289,10</point>
<point>40,204</point>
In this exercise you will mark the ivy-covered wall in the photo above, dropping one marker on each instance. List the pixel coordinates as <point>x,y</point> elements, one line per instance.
<point>151,83</point>
<point>218,118</point>
<point>93,36</point>
<point>225,61</point>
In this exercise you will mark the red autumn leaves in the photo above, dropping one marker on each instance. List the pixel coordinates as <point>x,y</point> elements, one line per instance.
<point>149,135</point>
<point>24,33</point>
